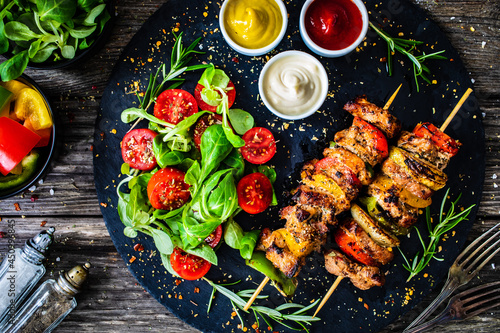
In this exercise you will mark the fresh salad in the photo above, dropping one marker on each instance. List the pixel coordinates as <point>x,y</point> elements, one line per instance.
<point>25,126</point>
<point>197,165</point>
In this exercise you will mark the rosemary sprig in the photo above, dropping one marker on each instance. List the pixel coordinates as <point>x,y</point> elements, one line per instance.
<point>407,47</point>
<point>267,314</point>
<point>179,60</point>
<point>446,222</point>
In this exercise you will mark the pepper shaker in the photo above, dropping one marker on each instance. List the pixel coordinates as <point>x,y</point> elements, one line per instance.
<point>50,303</point>
<point>20,271</point>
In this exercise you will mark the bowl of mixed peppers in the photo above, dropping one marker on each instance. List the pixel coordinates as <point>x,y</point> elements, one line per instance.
<point>27,133</point>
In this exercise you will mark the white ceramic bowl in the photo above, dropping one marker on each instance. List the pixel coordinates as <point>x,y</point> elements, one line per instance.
<point>332,53</point>
<point>283,104</point>
<point>259,51</point>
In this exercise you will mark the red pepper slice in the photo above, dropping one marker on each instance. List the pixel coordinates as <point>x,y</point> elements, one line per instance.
<point>16,141</point>
<point>352,249</point>
<point>440,139</point>
<point>376,135</point>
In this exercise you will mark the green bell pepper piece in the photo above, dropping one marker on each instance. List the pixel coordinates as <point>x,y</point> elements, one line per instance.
<point>29,168</point>
<point>286,286</point>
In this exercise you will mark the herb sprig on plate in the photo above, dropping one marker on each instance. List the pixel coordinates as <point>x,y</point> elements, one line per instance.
<point>267,314</point>
<point>408,48</point>
<point>445,223</point>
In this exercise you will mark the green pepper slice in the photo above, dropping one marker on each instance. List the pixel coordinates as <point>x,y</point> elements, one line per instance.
<point>286,286</point>
<point>29,167</point>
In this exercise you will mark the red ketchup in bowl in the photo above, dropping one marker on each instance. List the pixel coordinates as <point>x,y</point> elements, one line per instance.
<point>333,24</point>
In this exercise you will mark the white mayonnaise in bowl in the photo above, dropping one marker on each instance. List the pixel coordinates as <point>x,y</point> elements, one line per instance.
<point>293,85</point>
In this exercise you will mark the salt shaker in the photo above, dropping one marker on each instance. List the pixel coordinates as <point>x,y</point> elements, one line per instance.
<point>20,271</point>
<point>50,303</point>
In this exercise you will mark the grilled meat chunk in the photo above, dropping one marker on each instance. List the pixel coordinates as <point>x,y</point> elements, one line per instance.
<point>341,174</point>
<point>402,179</point>
<point>353,162</point>
<point>302,224</point>
<point>379,254</point>
<point>424,148</point>
<point>375,115</point>
<point>357,142</point>
<point>320,190</point>
<point>361,276</point>
<point>387,195</point>
<point>278,253</point>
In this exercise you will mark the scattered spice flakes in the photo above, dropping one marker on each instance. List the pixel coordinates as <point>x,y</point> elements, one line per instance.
<point>17,207</point>
<point>138,247</point>
<point>43,223</point>
<point>366,306</point>
<point>196,290</point>
<point>104,204</point>
<point>132,259</point>
<point>113,131</point>
<point>177,282</point>
<point>2,234</point>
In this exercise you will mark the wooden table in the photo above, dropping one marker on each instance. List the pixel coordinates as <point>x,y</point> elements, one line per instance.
<point>113,301</point>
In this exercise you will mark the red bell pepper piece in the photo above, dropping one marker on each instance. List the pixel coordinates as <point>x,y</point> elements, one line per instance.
<point>16,141</point>
<point>44,133</point>
<point>440,139</point>
<point>376,135</point>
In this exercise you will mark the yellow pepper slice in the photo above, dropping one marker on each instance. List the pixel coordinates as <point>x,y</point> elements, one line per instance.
<point>30,104</point>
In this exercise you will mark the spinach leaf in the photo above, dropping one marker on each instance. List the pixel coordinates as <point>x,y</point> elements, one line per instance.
<point>165,260</point>
<point>130,232</point>
<point>162,241</point>
<point>44,53</point>
<point>235,140</point>
<point>18,31</point>
<point>164,155</point>
<point>235,237</point>
<point>4,41</point>
<point>204,251</point>
<point>193,174</point>
<point>213,81</point>
<point>13,68</point>
<point>87,5</point>
<point>241,120</point>
<point>214,149</point>
<point>57,10</point>
<point>34,47</point>
<point>68,51</point>
<point>233,234</point>
<point>93,14</point>
<point>248,243</point>
<point>235,161</point>
<point>82,32</point>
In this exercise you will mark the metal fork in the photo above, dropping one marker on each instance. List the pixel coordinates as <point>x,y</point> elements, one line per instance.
<point>465,305</point>
<point>460,274</point>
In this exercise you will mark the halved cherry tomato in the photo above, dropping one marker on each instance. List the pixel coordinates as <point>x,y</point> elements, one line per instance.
<point>231,95</point>
<point>255,193</point>
<point>173,105</point>
<point>440,139</point>
<point>352,249</point>
<point>188,266</point>
<point>202,124</point>
<point>137,149</point>
<point>259,147</point>
<point>16,141</point>
<point>375,135</point>
<point>214,238</point>
<point>167,189</point>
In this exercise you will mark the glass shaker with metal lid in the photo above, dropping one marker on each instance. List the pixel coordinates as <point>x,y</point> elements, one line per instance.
<point>50,303</point>
<point>20,271</point>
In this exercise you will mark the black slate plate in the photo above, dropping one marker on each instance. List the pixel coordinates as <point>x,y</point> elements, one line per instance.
<point>349,310</point>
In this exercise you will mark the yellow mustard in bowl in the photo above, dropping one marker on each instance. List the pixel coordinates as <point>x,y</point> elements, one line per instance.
<point>253,24</point>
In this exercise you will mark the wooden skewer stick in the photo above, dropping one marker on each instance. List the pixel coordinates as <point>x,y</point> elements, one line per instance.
<point>256,293</point>
<point>455,110</point>
<point>390,100</point>
<point>339,278</point>
<point>328,294</point>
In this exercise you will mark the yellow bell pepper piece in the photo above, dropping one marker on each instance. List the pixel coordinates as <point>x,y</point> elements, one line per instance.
<point>30,104</point>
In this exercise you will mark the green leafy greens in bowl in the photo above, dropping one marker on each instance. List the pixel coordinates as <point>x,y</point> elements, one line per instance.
<point>48,33</point>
